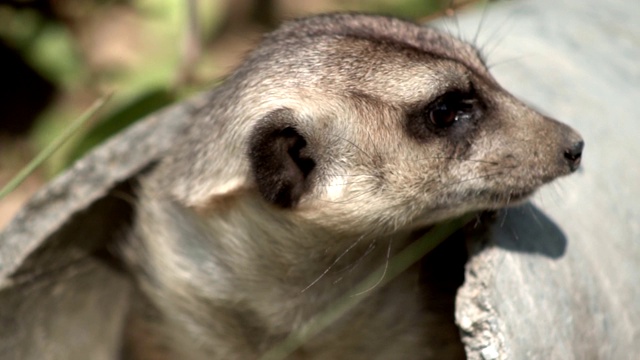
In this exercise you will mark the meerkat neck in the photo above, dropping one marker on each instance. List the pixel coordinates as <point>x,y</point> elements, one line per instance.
<point>266,250</point>
<point>270,242</point>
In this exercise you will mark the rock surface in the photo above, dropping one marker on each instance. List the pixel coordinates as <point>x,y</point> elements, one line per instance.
<point>560,279</point>
<point>60,293</point>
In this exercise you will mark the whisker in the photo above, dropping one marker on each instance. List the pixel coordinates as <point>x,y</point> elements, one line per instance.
<point>460,159</point>
<point>483,16</point>
<point>354,145</point>
<point>326,271</point>
<point>445,24</point>
<point>361,194</point>
<point>535,217</point>
<point>505,211</point>
<point>384,273</point>
<point>451,13</point>
<point>475,178</point>
<point>506,61</point>
<point>364,181</point>
<point>373,143</point>
<point>499,29</point>
<point>478,221</point>
<point>351,175</point>
<point>367,252</point>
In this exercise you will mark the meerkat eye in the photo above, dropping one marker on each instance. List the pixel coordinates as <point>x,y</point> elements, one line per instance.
<point>449,108</point>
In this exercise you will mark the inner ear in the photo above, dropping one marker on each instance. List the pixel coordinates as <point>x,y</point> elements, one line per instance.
<point>280,159</point>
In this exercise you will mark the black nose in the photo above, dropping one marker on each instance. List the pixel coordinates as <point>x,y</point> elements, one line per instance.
<point>574,155</point>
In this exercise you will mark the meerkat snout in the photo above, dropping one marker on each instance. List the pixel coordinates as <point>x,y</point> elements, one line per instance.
<point>316,161</point>
<point>573,154</point>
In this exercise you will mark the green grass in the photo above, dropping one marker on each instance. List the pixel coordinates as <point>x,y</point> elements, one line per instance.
<point>52,147</point>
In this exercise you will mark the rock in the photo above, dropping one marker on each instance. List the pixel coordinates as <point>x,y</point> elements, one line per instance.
<point>559,280</point>
<point>61,293</point>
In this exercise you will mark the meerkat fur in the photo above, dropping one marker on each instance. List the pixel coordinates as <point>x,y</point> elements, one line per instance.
<point>337,139</point>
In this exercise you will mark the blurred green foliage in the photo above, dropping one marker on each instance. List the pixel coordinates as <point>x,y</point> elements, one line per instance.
<point>139,50</point>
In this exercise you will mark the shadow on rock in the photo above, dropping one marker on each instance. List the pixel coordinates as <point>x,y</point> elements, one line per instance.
<point>527,229</point>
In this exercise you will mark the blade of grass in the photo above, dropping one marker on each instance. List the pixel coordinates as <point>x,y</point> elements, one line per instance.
<point>397,264</point>
<point>53,146</point>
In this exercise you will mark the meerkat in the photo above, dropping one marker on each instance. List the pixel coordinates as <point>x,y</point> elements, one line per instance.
<point>337,139</point>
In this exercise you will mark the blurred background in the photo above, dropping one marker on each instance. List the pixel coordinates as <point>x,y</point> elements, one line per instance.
<point>60,56</point>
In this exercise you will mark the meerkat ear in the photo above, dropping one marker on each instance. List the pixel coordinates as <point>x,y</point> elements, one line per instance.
<point>280,159</point>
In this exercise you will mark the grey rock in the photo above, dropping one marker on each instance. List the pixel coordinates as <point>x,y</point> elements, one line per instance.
<point>61,295</point>
<point>560,278</point>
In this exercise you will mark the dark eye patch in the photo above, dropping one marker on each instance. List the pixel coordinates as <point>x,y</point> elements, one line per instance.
<point>450,108</point>
<point>451,113</point>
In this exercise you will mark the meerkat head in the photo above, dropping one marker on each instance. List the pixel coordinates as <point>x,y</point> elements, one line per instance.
<point>358,122</point>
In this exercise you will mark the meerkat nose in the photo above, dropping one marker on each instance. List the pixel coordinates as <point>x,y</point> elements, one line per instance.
<point>574,154</point>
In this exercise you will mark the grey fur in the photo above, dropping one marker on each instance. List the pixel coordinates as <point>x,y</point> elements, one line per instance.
<point>229,274</point>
